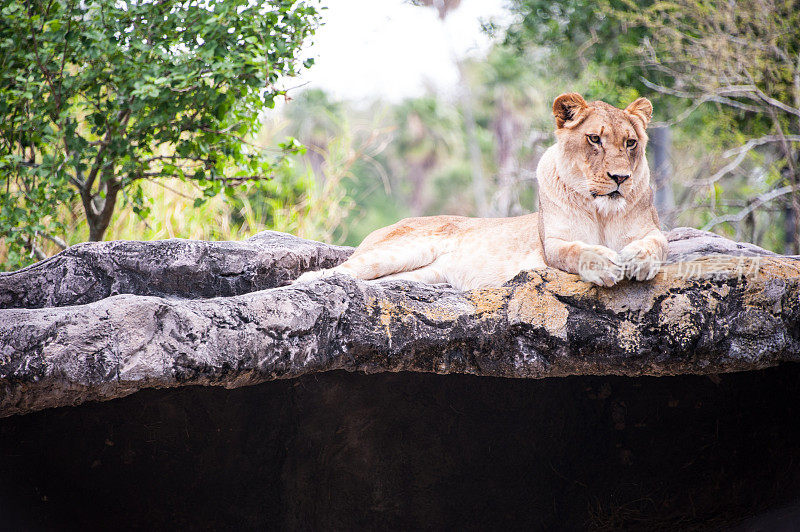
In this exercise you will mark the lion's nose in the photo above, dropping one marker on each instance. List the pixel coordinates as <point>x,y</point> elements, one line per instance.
<point>618,178</point>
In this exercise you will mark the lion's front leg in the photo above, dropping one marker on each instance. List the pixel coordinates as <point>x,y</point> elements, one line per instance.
<point>642,258</point>
<point>595,264</point>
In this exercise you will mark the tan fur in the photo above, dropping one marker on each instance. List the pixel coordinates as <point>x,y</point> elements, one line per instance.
<point>579,228</point>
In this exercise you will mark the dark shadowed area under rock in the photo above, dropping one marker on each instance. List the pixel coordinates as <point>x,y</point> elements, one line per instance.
<point>409,451</point>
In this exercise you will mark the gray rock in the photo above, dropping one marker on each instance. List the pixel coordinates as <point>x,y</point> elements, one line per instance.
<point>686,243</point>
<point>177,267</point>
<point>196,313</point>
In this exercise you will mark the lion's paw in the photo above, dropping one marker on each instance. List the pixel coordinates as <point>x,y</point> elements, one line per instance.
<point>600,265</point>
<point>639,262</point>
<point>313,276</point>
<point>322,274</point>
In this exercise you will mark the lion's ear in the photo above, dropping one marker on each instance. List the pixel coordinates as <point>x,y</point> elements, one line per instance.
<point>641,108</point>
<point>567,106</point>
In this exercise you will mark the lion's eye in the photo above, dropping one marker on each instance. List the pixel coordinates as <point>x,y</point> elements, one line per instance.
<point>594,139</point>
<point>630,143</point>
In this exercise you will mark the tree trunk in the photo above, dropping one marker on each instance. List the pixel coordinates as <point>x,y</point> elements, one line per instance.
<point>507,132</point>
<point>660,147</point>
<point>476,160</point>
<point>98,223</point>
<point>789,229</point>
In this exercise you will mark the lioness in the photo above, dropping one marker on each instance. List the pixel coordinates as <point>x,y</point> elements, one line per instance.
<point>596,216</point>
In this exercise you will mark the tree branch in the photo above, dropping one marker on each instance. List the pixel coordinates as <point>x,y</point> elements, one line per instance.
<point>54,239</point>
<point>714,97</point>
<point>741,152</point>
<point>35,251</point>
<point>756,203</point>
<point>226,180</point>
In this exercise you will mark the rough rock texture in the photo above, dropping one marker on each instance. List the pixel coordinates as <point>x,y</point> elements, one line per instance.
<point>719,307</point>
<point>179,268</point>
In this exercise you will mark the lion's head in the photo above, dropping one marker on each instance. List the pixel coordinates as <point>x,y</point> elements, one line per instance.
<point>602,148</point>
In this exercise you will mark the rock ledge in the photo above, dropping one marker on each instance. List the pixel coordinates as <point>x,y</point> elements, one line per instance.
<point>103,320</point>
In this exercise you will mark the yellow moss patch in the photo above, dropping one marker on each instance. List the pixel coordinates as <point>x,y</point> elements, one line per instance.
<point>389,311</point>
<point>488,300</point>
<point>438,312</point>
<point>568,285</point>
<point>769,267</point>
<point>385,310</point>
<point>538,308</point>
<point>676,314</point>
<point>628,336</point>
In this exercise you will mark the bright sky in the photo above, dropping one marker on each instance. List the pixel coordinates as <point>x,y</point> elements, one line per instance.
<point>392,49</point>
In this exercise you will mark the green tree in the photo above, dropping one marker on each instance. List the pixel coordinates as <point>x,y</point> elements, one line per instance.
<point>744,60</point>
<point>97,96</point>
<point>576,36</point>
